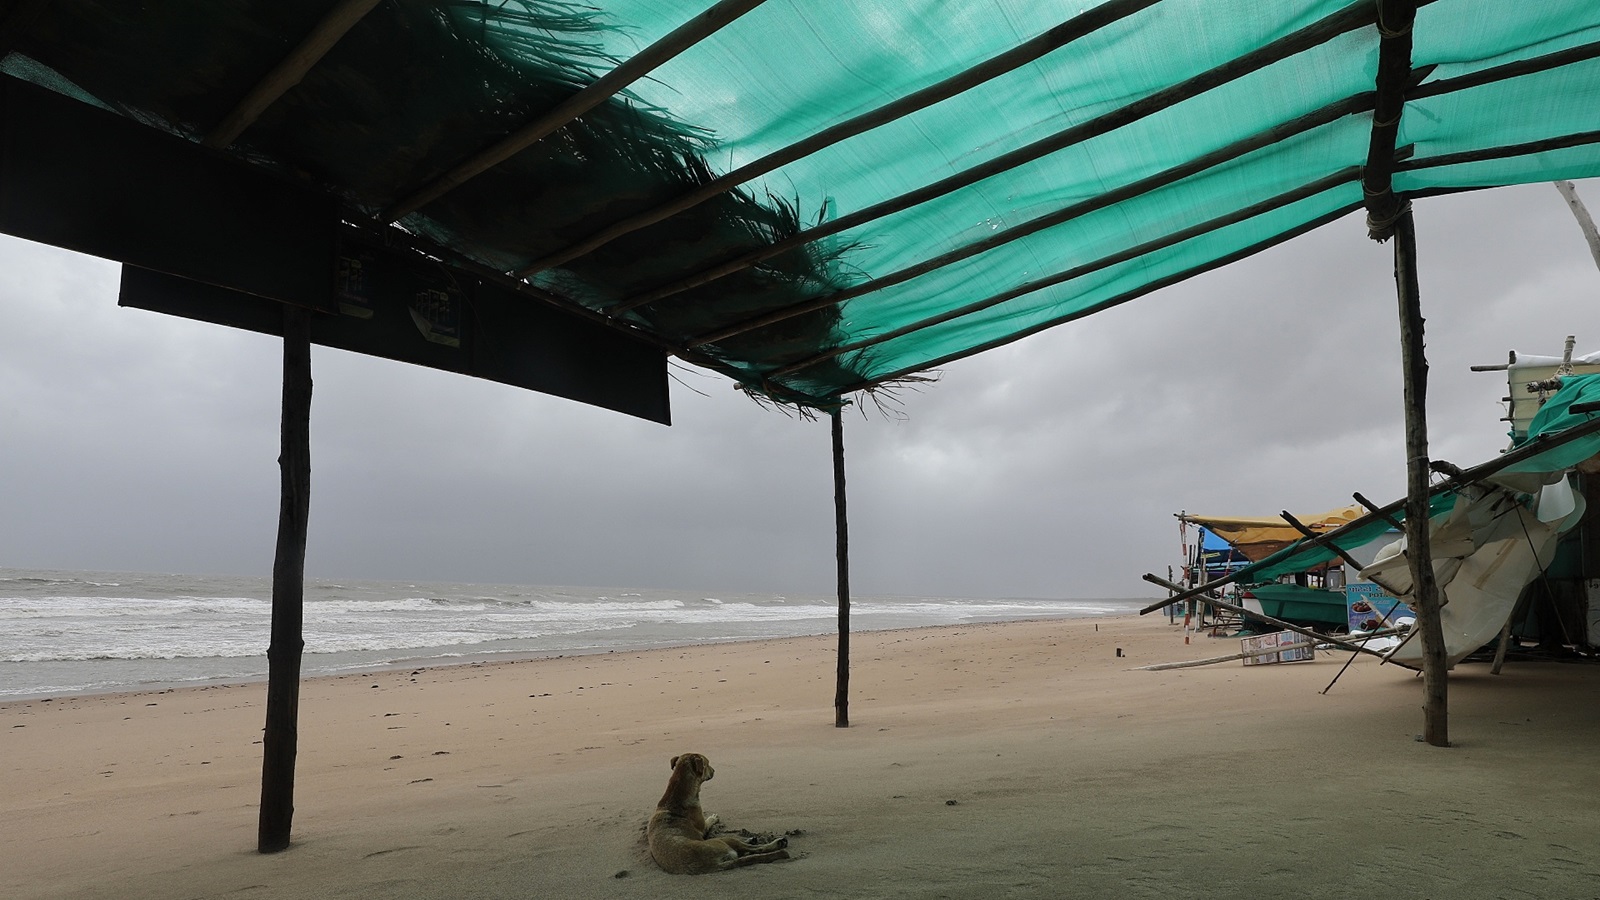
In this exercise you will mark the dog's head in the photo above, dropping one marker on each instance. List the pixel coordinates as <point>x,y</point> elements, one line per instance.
<point>692,765</point>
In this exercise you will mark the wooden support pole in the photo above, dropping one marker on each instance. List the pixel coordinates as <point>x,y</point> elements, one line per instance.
<point>1371,508</point>
<point>841,524</point>
<point>288,73</point>
<point>281,737</point>
<point>1425,590</point>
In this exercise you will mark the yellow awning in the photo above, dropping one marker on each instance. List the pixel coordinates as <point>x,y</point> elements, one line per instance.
<point>1258,538</point>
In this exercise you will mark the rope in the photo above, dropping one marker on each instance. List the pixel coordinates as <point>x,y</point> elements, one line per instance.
<point>1387,32</point>
<point>1384,226</point>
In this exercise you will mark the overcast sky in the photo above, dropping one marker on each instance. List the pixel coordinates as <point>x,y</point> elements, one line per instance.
<point>1050,468</point>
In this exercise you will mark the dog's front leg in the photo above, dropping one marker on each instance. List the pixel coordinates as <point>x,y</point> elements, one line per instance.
<point>712,820</point>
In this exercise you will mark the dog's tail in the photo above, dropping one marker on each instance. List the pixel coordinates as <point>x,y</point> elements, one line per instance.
<point>754,858</point>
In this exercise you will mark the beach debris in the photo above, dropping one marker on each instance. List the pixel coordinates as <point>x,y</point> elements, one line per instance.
<point>950,803</point>
<point>621,873</point>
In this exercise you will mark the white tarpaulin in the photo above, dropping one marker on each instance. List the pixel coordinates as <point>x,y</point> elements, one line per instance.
<point>1485,552</point>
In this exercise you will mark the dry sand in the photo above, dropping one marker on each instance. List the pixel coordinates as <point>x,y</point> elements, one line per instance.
<point>1008,760</point>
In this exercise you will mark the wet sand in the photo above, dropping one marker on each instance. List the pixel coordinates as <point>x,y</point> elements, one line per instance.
<point>1004,760</point>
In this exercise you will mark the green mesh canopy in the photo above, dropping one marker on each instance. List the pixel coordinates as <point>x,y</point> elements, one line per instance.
<point>1068,157</point>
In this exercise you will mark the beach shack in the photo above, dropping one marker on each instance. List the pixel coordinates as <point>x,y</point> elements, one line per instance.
<point>821,201</point>
<point>1512,544</point>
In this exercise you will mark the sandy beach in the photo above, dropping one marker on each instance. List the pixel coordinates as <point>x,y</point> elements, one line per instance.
<point>1005,760</point>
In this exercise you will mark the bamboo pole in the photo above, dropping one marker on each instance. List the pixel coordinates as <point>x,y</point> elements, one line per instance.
<point>641,64</point>
<point>1213,660</point>
<point>1261,617</point>
<point>288,73</point>
<point>1544,145</point>
<point>841,524</point>
<point>1084,23</point>
<point>281,736</point>
<point>1307,532</point>
<point>1372,508</point>
<point>1532,65</point>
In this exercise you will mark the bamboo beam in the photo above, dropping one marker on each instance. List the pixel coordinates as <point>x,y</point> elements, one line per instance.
<point>1330,113</point>
<point>841,524</point>
<point>1393,522</point>
<point>1492,74</point>
<point>1544,145</point>
<point>1083,24</point>
<point>280,739</point>
<point>1119,299</point>
<point>607,86</point>
<point>288,73</point>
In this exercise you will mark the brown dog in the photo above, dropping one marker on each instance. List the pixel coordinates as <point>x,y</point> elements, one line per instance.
<point>678,828</point>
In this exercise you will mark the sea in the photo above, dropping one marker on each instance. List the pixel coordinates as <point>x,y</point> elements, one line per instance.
<point>68,633</point>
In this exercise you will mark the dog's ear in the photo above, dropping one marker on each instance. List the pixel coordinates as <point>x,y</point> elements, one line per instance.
<point>674,763</point>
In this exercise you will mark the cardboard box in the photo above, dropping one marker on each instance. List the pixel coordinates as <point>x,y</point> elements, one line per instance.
<point>1267,648</point>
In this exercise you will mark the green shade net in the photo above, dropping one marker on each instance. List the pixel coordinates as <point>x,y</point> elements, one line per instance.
<point>1556,416</point>
<point>1185,178</point>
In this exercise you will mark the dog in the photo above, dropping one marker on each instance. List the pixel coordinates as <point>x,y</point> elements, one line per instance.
<point>679,828</point>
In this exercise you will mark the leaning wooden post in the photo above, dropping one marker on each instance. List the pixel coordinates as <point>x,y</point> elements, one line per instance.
<point>1389,216</point>
<point>279,741</point>
<point>1425,590</point>
<point>841,525</point>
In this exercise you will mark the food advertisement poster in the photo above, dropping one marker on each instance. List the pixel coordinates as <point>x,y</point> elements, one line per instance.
<point>1371,608</point>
